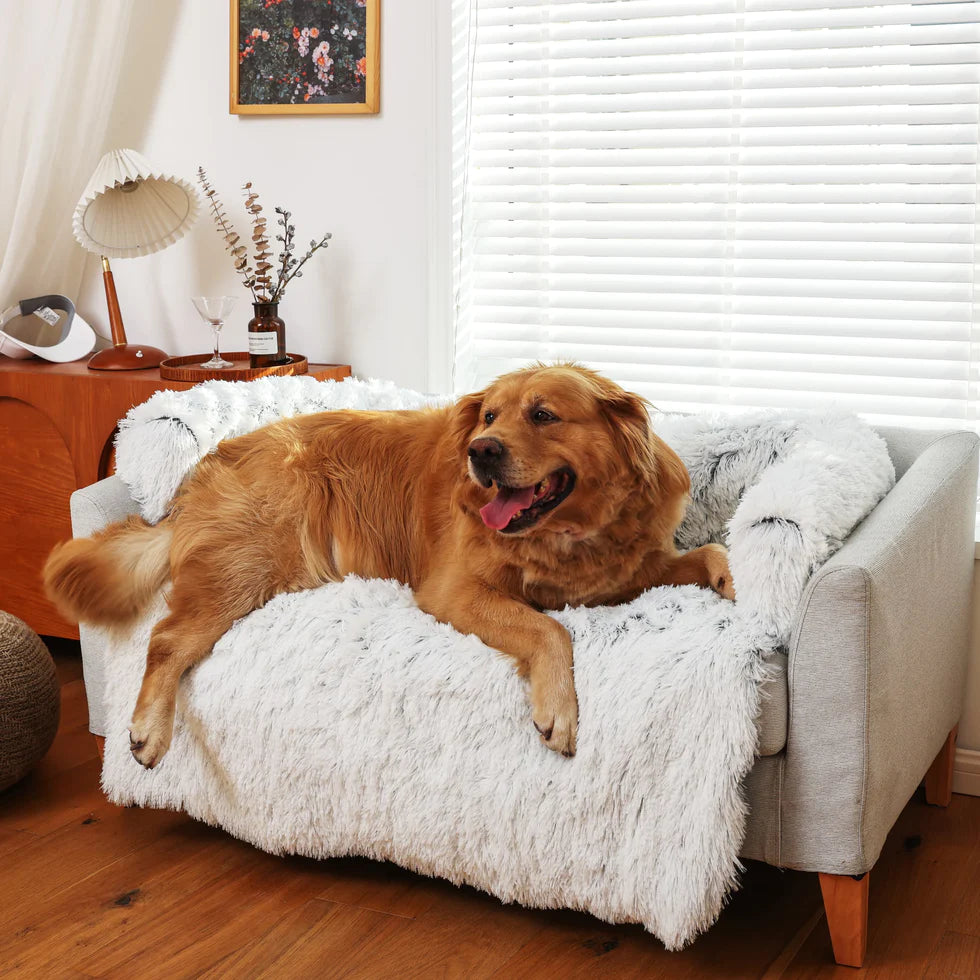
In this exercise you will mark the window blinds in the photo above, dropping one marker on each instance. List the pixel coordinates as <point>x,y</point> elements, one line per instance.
<point>719,203</point>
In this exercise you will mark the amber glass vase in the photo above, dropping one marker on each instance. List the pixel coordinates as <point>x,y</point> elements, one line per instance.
<point>266,337</point>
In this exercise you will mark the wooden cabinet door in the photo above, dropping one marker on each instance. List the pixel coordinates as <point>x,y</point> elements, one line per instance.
<point>36,480</point>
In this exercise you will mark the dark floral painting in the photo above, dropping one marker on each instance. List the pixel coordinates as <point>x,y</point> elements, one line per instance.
<point>318,54</point>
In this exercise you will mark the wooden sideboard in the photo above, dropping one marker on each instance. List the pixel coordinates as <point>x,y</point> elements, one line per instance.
<point>57,423</point>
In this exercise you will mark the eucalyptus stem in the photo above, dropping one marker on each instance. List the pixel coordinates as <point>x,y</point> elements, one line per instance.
<point>280,289</point>
<point>260,243</point>
<point>238,252</point>
<point>286,260</point>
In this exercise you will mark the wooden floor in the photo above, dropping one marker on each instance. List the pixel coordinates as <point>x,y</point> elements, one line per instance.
<point>88,889</point>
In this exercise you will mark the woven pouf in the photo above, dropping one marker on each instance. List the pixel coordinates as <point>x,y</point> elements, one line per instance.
<point>30,704</point>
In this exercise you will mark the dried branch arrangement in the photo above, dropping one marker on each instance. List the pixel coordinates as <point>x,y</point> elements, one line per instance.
<point>265,279</point>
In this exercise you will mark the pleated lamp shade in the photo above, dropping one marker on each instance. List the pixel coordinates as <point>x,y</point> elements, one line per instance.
<point>129,209</point>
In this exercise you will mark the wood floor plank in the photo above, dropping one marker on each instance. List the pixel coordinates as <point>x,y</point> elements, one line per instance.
<point>333,944</point>
<point>52,864</point>
<point>379,886</point>
<point>578,946</point>
<point>31,803</point>
<point>266,950</point>
<point>965,916</point>
<point>455,937</point>
<point>957,955</point>
<point>74,743</point>
<point>210,921</point>
<point>119,898</point>
<point>73,705</point>
<point>46,801</point>
<point>12,840</point>
<point>778,967</point>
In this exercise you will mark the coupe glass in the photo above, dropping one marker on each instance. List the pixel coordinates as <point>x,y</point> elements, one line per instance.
<point>214,310</point>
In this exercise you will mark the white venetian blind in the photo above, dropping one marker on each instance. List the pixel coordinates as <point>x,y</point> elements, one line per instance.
<point>720,203</point>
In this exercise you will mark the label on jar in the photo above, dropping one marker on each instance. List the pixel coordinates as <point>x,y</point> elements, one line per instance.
<point>263,342</point>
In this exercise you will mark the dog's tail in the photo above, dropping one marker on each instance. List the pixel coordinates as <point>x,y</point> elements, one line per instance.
<point>109,578</point>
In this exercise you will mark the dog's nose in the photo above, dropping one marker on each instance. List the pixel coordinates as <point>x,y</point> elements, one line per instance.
<point>486,450</point>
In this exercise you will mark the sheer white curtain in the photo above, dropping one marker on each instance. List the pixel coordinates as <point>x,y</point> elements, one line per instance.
<point>59,64</point>
<point>723,202</point>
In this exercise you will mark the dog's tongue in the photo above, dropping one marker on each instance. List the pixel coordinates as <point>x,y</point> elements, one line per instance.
<point>501,510</point>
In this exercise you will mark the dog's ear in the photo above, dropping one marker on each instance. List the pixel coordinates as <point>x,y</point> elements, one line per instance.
<point>464,416</point>
<point>627,414</point>
<point>646,453</point>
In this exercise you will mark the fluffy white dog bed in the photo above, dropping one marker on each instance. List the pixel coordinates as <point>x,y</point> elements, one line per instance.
<point>344,720</point>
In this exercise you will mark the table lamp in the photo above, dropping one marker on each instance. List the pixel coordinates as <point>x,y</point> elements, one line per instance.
<point>130,209</point>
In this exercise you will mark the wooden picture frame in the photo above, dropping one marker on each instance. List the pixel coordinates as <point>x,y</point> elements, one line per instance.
<point>331,65</point>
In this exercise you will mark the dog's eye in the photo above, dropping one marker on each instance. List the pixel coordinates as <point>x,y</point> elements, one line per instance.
<point>541,416</point>
<point>488,417</point>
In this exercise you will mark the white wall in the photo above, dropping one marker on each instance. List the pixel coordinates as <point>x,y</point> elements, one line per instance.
<point>370,180</point>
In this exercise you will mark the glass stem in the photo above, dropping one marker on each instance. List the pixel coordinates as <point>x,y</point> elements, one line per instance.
<point>215,331</point>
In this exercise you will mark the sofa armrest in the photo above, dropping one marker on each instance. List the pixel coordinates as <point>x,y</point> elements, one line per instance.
<point>92,508</point>
<point>877,662</point>
<point>101,504</point>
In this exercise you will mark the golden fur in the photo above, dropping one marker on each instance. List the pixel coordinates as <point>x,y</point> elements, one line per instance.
<point>398,495</point>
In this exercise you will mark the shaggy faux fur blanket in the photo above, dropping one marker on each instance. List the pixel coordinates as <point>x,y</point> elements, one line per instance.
<point>344,720</point>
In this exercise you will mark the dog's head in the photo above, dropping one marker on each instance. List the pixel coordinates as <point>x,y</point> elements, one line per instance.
<point>554,449</point>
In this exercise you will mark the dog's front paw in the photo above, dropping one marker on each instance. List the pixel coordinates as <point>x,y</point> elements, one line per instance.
<point>555,716</point>
<point>149,741</point>
<point>719,574</point>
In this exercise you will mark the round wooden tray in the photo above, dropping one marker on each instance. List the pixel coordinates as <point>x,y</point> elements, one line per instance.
<point>189,368</point>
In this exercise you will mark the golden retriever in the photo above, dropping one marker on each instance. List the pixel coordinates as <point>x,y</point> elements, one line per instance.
<point>548,488</point>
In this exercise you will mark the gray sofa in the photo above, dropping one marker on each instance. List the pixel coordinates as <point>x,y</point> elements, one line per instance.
<point>866,695</point>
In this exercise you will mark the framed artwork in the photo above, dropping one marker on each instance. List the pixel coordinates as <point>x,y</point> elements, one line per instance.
<point>305,56</point>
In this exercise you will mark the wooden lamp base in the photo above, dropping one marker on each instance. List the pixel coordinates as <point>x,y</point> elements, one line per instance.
<point>121,356</point>
<point>126,357</point>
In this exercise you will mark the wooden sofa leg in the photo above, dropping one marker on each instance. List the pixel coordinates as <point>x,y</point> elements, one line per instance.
<point>845,900</point>
<point>100,745</point>
<point>939,778</point>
